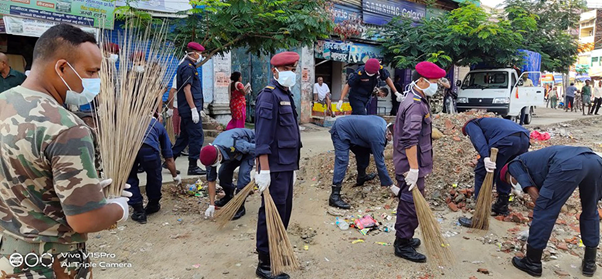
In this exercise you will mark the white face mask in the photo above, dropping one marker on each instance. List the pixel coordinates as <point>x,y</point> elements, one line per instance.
<point>516,185</point>
<point>286,78</point>
<point>113,58</point>
<point>431,90</point>
<point>198,60</point>
<point>139,69</point>
<point>91,90</point>
<point>370,75</point>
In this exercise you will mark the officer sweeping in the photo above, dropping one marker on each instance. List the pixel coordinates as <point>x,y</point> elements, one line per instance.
<point>362,134</point>
<point>510,139</point>
<point>413,155</point>
<point>550,176</point>
<point>361,84</point>
<point>156,143</point>
<point>232,149</point>
<point>278,147</point>
<point>190,108</point>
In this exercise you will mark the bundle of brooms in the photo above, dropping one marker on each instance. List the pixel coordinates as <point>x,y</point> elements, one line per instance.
<point>226,213</point>
<point>128,99</point>
<point>436,246</point>
<point>480,219</point>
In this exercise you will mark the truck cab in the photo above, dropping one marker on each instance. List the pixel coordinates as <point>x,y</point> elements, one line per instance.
<point>501,91</point>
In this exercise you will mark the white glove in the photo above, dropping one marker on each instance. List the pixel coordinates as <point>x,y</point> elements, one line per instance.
<point>177,179</point>
<point>294,177</point>
<point>262,179</point>
<point>412,178</point>
<point>195,115</point>
<point>489,165</point>
<point>340,105</point>
<point>169,112</point>
<point>106,182</point>
<point>209,212</point>
<point>399,96</point>
<point>394,189</point>
<point>203,114</point>
<point>121,201</point>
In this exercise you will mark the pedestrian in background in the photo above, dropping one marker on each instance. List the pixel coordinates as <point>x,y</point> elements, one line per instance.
<point>570,97</point>
<point>586,98</point>
<point>9,77</point>
<point>597,98</point>
<point>238,103</point>
<point>398,88</point>
<point>553,96</point>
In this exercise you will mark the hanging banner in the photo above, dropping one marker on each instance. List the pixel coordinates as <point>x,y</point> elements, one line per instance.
<point>2,28</point>
<point>332,50</point>
<point>380,12</point>
<point>92,13</point>
<point>32,27</point>
<point>360,53</point>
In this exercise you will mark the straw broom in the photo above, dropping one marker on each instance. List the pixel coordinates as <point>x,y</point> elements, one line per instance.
<point>436,245</point>
<point>127,99</point>
<point>282,256</point>
<point>170,130</point>
<point>480,219</point>
<point>226,213</point>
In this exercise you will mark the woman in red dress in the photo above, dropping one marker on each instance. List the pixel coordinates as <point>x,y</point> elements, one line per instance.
<point>238,104</point>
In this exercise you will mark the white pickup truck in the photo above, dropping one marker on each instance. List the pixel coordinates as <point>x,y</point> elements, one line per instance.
<point>501,91</point>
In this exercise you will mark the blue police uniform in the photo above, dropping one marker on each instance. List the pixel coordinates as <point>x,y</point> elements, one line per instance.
<point>237,147</point>
<point>191,134</point>
<point>508,137</point>
<point>277,135</point>
<point>362,135</point>
<point>362,87</point>
<point>557,171</point>
<point>156,143</point>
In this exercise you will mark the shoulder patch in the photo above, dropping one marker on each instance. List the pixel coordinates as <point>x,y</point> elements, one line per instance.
<point>359,73</point>
<point>381,67</point>
<point>270,87</point>
<point>417,100</point>
<point>189,64</point>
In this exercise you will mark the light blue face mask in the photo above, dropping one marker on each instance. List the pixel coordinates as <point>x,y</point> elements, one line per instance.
<point>91,90</point>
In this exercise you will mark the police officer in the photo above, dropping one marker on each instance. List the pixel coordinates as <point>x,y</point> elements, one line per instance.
<point>232,149</point>
<point>190,108</point>
<point>361,84</point>
<point>413,154</point>
<point>278,147</point>
<point>510,139</point>
<point>362,134</point>
<point>550,176</point>
<point>156,143</point>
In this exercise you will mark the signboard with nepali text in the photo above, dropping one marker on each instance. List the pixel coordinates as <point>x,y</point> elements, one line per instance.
<point>90,13</point>
<point>33,27</point>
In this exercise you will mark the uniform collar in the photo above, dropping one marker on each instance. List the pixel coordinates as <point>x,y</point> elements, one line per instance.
<point>276,84</point>
<point>417,94</point>
<point>11,72</point>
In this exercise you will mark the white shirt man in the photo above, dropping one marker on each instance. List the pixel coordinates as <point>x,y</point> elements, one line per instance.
<point>322,95</point>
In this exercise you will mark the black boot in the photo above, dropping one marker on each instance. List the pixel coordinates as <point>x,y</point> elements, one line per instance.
<point>415,242</point>
<point>363,178</point>
<point>335,198</point>
<point>531,263</point>
<point>153,206</point>
<point>193,169</point>
<point>588,266</point>
<point>404,249</point>
<point>465,222</point>
<point>500,207</point>
<point>139,215</point>
<point>241,212</point>
<point>164,165</point>
<point>265,271</point>
<point>223,201</point>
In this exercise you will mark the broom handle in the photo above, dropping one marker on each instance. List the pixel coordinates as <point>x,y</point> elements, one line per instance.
<point>493,154</point>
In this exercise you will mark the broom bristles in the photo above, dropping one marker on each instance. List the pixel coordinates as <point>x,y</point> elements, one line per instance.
<point>436,246</point>
<point>170,130</point>
<point>480,218</point>
<point>226,213</point>
<point>282,255</point>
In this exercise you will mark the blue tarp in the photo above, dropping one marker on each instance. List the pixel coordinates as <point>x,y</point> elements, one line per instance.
<point>531,63</point>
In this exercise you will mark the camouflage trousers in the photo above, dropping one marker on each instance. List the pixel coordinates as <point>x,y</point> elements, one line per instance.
<point>40,263</point>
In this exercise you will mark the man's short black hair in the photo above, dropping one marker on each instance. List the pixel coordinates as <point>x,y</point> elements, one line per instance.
<point>415,76</point>
<point>60,40</point>
<point>572,83</point>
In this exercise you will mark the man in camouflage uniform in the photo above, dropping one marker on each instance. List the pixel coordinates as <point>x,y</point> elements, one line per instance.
<point>50,193</point>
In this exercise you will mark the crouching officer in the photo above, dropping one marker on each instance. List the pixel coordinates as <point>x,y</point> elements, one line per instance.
<point>510,139</point>
<point>233,148</point>
<point>550,176</point>
<point>413,155</point>
<point>278,147</point>
<point>362,134</point>
<point>156,143</point>
<point>361,84</point>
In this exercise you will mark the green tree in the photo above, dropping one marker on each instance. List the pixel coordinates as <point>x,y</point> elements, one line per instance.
<point>260,26</point>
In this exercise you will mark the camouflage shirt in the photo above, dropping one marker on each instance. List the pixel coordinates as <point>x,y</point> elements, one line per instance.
<point>46,168</point>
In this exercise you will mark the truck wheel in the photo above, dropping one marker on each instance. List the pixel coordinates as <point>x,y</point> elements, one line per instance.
<point>528,117</point>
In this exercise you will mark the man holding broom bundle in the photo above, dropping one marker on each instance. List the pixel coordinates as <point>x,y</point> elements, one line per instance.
<point>413,155</point>
<point>510,139</point>
<point>50,193</point>
<point>232,149</point>
<point>550,176</point>
<point>278,147</point>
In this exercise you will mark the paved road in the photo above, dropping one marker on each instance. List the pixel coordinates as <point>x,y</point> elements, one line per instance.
<point>547,116</point>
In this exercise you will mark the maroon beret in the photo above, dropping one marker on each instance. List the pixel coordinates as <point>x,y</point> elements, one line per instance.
<point>285,59</point>
<point>195,46</point>
<point>111,47</point>
<point>372,66</point>
<point>503,173</point>
<point>208,155</point>
<point>429,70</point>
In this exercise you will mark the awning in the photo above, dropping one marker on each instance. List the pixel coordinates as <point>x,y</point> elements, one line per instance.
<point>583,77</point>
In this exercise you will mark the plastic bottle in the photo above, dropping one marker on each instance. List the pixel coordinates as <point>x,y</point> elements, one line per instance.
<point>342,224</point>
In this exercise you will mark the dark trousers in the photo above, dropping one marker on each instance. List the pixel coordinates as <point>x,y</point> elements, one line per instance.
<point>569,103</point>
<point>341,151</point>
<point>358,106</point>
<point>191,135</point>
<point>226,173</point>
<point>596,106</point>
<point>150,160</point>
<point>508,149</point>
<point>281,190</point>
<point>406,220</point>
<point>583,171</point>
